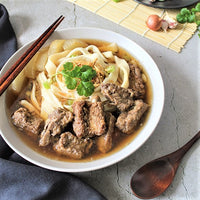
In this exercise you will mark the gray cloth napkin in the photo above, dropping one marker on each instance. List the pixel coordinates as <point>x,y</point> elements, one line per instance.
<point>8,42</point>
<point>19,179</point>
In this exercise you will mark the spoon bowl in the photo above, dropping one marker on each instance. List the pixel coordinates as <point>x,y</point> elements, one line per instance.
<point>145,184</point>
<point>155,177</point>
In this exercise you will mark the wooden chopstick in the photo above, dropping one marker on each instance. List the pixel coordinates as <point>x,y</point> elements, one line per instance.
<point>15,69</point>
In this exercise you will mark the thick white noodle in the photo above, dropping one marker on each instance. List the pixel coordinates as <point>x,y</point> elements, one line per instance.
<point>58,94</point>
<point>33,96</point>
<point>49,101</point>
<point>124,71</point>
<point>29,106</point>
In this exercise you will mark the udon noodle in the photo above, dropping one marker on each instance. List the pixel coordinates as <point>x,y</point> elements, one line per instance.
<point>79,53</point>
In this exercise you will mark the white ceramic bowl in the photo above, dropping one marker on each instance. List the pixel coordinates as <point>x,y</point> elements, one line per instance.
<point>156,108</point>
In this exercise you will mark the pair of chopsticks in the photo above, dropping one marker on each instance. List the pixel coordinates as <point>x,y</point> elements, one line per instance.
<point>15,69</point>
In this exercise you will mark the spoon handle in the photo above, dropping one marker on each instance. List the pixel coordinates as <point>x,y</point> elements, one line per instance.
<point>178,155</point>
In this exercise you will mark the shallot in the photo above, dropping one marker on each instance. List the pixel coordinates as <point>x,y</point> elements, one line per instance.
<point>154,22</point>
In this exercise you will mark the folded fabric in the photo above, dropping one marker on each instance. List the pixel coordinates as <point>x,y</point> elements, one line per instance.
<point>8,42</point>
<point>19,179</point>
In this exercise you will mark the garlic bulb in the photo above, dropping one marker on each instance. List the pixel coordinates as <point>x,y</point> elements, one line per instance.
<point>164,25</point>
<point>172,23</point>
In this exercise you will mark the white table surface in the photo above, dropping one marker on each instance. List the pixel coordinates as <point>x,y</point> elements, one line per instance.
<point>181,116</point>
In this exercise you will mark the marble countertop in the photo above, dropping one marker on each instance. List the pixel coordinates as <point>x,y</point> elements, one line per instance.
<point>181,114</point>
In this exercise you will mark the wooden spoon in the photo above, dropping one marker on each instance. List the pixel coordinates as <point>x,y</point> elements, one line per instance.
<point>154,178</point>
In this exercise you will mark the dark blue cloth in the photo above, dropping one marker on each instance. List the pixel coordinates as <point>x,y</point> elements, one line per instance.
<point>8,42</point>
<point>19,179</point>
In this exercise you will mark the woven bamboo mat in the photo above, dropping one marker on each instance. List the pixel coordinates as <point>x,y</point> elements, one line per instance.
<point>133,15</point>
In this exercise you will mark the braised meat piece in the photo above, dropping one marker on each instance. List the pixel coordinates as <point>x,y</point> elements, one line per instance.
<point>105,142</point>
<point>121,97</point>
<point>89,118</point>
<point>81,115</point>
<point>26,121</point>
<point>97,124</point>
<point>127,121</point>
<point>73,147</point>
<point>55,124</point>
<point>135,81</point>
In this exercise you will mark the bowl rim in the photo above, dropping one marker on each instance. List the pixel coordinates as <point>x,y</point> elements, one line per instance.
<point>116,156</point>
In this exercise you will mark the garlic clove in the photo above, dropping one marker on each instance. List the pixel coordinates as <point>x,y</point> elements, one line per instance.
<point>171,21</point>
<point>164,25</point>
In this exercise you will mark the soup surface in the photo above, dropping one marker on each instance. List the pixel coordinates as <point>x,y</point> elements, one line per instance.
<point>79,100</point>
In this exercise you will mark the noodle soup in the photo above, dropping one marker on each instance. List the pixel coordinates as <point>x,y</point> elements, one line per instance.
<point>85,98</point>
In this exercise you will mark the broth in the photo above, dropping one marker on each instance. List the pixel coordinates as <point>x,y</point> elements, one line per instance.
<point>12,101</point>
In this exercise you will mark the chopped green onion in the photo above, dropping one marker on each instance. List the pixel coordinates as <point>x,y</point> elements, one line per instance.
<point>110,69</point>
<point>47,84</point>
<point>69,102</point>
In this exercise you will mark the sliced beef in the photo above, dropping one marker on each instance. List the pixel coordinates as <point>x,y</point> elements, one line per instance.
<point>73,147</point>
<point>97,124</point>
<point>26,121</point>
<point>81,115</point>
<point>121,97</point>
<point>105,142</point>
<point>135,81</point>
<point>127,121</point>
<point>55,124</point>
<point>89,118</point>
